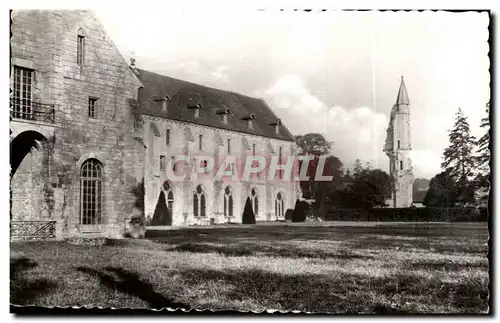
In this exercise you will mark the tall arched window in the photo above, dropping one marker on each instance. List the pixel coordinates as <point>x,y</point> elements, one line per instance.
<point>169,195</point>
<point>90,192</point>
<point>228,202</point>
<point>199,202</point>
<point>153,148</point>
<point>255,201</point>
<point>279,205</point>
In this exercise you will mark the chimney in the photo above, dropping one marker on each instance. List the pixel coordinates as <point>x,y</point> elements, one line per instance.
<point>132,65</point>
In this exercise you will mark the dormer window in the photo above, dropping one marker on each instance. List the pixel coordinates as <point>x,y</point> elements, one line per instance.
<point>164,102</point>
<point>249,119</point>
<point>223,113</point>
<point>196,109</point>
<point>276,125</point>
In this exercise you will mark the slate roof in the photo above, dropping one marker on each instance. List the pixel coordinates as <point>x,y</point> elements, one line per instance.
<point>183,96</point>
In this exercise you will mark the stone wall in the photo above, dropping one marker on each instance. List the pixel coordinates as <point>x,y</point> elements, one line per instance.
<point>47,41</point>
<point>214,144</point>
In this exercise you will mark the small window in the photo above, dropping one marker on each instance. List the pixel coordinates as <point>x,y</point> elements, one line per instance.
<point>204,164</point>
<point>401,164</point>
<point>280,172</point>
<point>172,160</point>
<point>200,142</point>
<point>228,202</point>
<point>80,50</point>
<point>253,149</point>
<point>167,135</point>
<point>92,107</point>
<point>162,163</point>
<point>228,145</point>
<point>399,144</point>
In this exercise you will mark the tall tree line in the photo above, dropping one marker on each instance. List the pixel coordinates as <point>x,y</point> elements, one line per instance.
<point>464,179</point>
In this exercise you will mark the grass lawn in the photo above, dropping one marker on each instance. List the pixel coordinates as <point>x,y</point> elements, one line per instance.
<point>331,267</point>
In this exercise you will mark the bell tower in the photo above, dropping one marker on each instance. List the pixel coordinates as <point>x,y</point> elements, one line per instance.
<point>398,147</point>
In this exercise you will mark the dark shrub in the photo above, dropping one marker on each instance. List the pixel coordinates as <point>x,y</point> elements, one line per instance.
<point>414,214</point>
<point>161,216</point>
<point>288,215</point>
<point>300,212</point>
<point>248,216</point>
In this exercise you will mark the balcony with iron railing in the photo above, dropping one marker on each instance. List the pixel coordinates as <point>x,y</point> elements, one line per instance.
<point>22,109</point>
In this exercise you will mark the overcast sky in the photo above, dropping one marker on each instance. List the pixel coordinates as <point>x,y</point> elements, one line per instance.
<point>337,72</point>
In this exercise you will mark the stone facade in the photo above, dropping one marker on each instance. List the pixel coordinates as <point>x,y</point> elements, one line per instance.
<point>215,145</point>
<point>47,184</point>
<point>398,148</point>
<point>116,136</point>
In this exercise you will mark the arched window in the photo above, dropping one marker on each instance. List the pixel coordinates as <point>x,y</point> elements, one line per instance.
<point>90,192</point>
<point>228,202</point>
<point>153,148</point>
<point>279,205</point>
<point>199,202</point>
<point>169,195</point>
<point>255,201</point>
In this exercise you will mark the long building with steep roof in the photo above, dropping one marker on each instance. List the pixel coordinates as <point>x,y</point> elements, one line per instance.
<point>105,135</point>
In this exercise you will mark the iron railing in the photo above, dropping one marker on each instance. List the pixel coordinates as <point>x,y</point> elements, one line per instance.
<point>30,110</point>
<point>32,230</point>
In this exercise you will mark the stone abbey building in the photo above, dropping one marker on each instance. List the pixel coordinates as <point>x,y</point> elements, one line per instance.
<point>92,137</point>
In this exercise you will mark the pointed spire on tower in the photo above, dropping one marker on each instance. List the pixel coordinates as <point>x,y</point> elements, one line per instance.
<point>402,94</point>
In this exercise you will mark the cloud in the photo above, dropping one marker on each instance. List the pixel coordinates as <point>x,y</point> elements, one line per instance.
<point>194,71</point>
<point>357,132</point>
<point>221,74</point>
<point>426,163</point>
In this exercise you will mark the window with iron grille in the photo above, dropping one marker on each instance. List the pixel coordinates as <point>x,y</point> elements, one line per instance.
<point>92,107</point>
<point>22,93</point>
<point>80,50</point>
<point>90,192</point>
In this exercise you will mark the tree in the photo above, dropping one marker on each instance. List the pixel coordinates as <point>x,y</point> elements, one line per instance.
<point>483,152</point>
<point>248,215</point>
<point>459,160</point>
<point>300,211</point>
<point>367,188</point>
<point>420,187</point>
<point>161,215</point>
<point>313,144</point>
<point>442,191</point>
